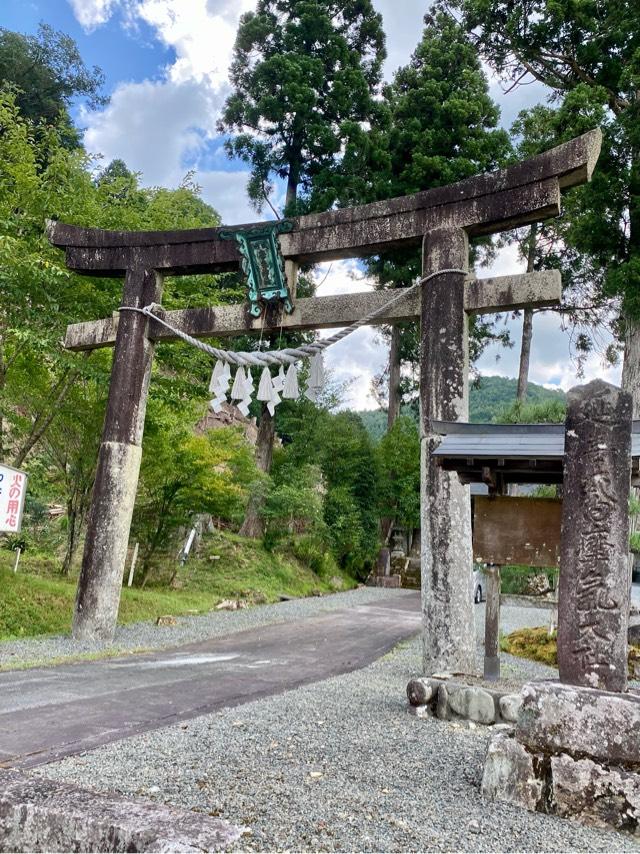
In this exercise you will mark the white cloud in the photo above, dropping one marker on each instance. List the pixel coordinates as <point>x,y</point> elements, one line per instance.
<point>360,356</point>
<point>226,192</point>
<point>151,126</point>
<point>202,33</point>
<point>156,126</point>
<point>93,13</point>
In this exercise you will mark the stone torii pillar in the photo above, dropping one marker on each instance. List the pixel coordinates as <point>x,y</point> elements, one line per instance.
<point>444,218</point>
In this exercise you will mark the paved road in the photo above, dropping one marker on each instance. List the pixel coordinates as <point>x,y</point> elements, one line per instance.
<point>48,713</point>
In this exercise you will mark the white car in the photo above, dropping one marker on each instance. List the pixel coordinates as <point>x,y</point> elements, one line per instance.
<point>478,589</point>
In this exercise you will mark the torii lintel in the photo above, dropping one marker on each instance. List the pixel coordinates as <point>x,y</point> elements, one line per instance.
<point>526,192</point>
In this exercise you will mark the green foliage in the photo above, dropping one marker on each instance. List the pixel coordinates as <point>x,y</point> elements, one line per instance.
<point>293,502</point>
<point>546,412</point>
<point>489,397</point>
<point>399,453</point>
<point>47,73</point>
<point>183,475</point>
<point>302,72</point>
<point>514,579</point>
<point>535,644</point>
<point>589,55</point>
<point>339,447</point>
<point>312,551</point>
<point>439,125</point>
<point>34,602</point>
<point>539,645</point>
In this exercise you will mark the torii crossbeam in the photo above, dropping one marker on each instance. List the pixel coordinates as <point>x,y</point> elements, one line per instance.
<point>442,219</point>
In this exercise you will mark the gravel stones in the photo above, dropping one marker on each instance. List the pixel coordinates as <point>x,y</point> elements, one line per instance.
<point>390,781</point>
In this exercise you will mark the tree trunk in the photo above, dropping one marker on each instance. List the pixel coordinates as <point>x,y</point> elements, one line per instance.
<point>253,525</point>
<point>394,378</point>
<point>292,188</point>
<point>72,539</point>
<point>527,324</point>
<point>631,365</point>
<point>525,355</point>
<point>43,420</point>
<point>631,324</point>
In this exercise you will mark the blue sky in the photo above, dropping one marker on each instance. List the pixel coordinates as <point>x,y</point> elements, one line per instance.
<point>166,64</point>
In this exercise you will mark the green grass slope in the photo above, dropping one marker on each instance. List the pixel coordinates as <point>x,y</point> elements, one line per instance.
<point>35,601</point>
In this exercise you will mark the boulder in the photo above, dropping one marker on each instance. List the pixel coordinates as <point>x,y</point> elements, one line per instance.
<point>509,774</point>
<point>442,704</point>
<point>420,691</point>
<point>42,815</point>
<point>510,705</point>
<point>474,704</point>
<point>605,797</point>
<point>601,725</point>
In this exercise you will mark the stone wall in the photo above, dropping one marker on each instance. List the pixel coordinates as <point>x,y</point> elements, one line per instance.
<point>575,753</point>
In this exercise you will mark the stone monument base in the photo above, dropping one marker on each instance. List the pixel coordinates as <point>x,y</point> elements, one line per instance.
<point>575,754</point>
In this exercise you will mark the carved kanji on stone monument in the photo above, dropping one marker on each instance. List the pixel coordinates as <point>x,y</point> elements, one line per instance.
<point>443,219</point>
<point>593,601</point>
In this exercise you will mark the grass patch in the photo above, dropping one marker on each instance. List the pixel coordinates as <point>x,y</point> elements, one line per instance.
<point>535,644</point>
<point>538,645</point>
<point>35,601</point>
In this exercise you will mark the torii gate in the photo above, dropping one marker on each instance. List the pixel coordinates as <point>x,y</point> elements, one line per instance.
<point>442,219</point>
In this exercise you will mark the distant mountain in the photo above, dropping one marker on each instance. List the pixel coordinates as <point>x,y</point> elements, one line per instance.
<point>492,394</point>
<point>487,398</point>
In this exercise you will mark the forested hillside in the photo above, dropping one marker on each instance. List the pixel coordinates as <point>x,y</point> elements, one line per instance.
<point>487,399</point>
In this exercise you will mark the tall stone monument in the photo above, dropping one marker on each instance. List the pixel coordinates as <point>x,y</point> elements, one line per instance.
<point>576,747</point>
<point>593,600</point>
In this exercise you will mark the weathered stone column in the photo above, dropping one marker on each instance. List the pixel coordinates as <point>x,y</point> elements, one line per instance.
<point>446,555</point>
<point>114,491</point>
<point>593,600</point>
<point>492,625</point>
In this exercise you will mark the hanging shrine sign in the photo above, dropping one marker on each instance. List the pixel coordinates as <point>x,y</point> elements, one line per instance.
<point>13,489</point>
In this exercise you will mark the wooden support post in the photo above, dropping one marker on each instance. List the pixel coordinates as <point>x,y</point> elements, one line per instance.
<point>18,553</point>
<point>114,492</point>
<point>492,625</point>
<point>446,555</point>
<point>132,568</point>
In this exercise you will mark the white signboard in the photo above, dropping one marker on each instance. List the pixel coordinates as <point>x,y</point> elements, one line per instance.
<point>13,489</point>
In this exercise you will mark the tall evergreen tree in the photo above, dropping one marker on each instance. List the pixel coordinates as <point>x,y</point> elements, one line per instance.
<point>303,73</point>
<point>301,69</point>
<point>441,126</point>
<point>588,54</point>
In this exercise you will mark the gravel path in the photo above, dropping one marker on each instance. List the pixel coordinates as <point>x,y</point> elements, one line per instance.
<point>148,636</point>
<point>338,766</point>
